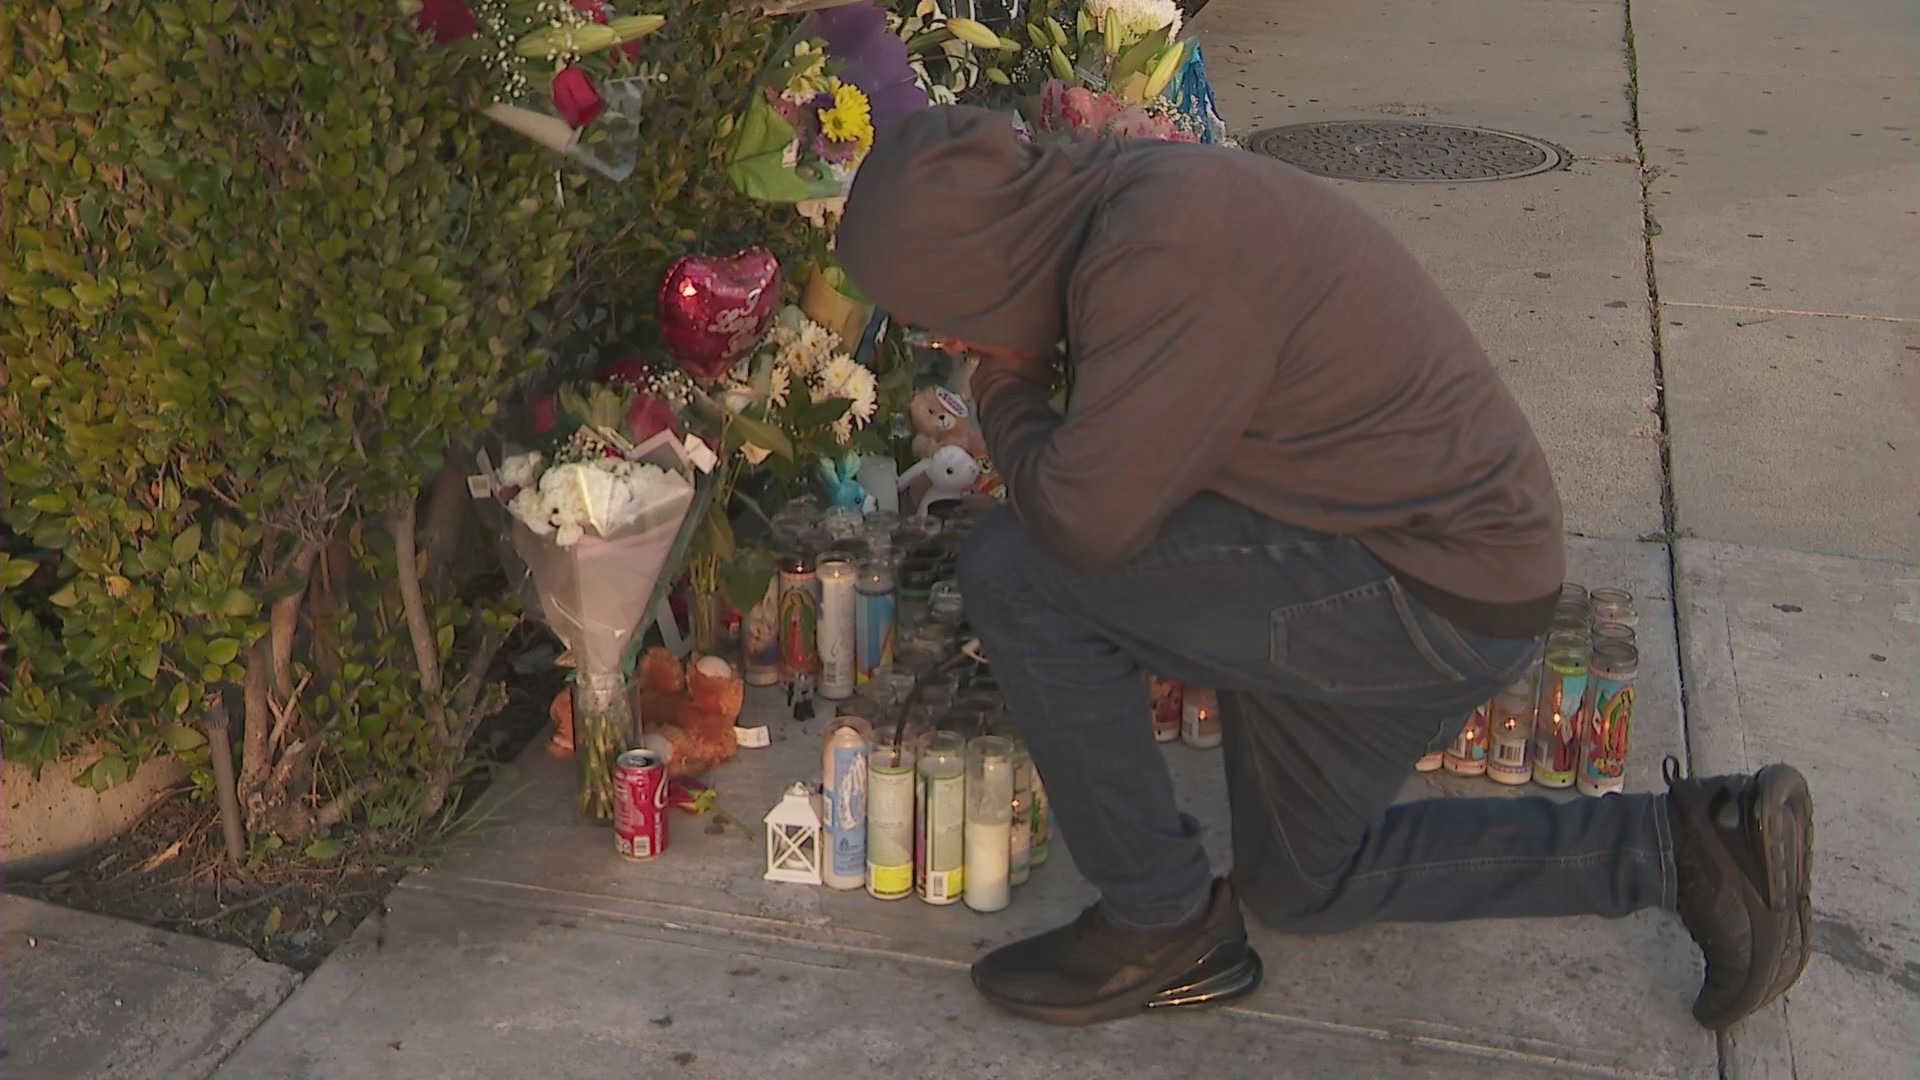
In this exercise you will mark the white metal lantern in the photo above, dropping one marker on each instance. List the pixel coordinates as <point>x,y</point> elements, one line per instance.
<point>793,837</point>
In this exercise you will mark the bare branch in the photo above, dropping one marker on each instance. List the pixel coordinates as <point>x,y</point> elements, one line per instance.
<point>285,618</point>
<point>220,749</point>
<point>471,683</point>
<point>331,814</point>
<point>426,653</point>
<point>283,713</point>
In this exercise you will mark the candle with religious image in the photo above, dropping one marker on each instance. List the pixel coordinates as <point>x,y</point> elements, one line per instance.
<point>799,618</point>
<point>1166,705</point>
<point>1603,749</point>
<point>1468,754</point>
<point>1559,717</point>
<point>1612,606</point>
<point>1510,733</point>
<point>843,785</point>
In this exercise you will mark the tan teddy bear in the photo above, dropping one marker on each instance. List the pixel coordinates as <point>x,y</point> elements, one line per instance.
<point>942,418</point>
<point>692,710</point>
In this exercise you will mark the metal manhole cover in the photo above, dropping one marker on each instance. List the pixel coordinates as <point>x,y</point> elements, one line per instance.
<point>1420,153</point>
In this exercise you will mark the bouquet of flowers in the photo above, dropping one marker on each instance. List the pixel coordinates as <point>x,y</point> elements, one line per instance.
<point>804,133</point>
<point>797,399</point>
<point>588,109</point>
<point>849,72</point>
<point>596,519</point>
<point>1120,71</point>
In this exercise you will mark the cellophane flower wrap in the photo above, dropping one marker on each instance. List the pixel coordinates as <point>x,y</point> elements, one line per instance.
<point>597,523</point>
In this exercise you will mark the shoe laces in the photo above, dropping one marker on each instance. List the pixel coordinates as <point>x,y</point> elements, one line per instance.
<point>1670,770</point>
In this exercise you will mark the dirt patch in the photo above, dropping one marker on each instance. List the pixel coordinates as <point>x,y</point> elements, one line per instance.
<point>167,871</point>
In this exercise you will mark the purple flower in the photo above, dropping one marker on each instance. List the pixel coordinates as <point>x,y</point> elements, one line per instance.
<point>872,59</point>
<point>784,109</point>
<point>831,152</point>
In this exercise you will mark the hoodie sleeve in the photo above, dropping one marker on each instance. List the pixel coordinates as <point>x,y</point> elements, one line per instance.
<point>1171,356</point>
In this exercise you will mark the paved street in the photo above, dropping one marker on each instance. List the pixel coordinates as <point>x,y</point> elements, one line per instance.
<point>1710,318</point>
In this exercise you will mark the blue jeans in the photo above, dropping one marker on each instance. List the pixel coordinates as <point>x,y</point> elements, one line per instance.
<point>1333,680</point>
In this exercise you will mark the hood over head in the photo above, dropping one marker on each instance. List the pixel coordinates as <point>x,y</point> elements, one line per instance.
<point>956,226</point>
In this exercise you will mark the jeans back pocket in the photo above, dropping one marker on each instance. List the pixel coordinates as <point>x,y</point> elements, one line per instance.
<point>1365,640</point>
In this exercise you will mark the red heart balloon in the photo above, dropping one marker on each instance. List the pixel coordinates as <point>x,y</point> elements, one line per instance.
<point>713,311</point>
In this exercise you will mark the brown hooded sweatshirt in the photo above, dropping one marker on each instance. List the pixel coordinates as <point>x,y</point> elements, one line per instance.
<point>1232,326</point>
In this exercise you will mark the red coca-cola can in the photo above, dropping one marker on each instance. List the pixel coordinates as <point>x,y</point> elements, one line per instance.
<point>639,804</point>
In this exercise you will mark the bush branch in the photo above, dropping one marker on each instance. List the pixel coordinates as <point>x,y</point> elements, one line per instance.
<point>426,653</point>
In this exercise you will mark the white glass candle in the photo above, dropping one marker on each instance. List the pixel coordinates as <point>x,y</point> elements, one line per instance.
<point>1200,718</point>
<point>989,823</point>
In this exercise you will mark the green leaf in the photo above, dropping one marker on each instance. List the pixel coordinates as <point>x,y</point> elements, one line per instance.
<point>66,597</point>
<point>14,572</point>
<point>109,770</point>
<point>222,650</point>
<point>375,323</point>
<point>180,698</point>
<point>762,434</point>
<point>745,577</point>
<point>238,604</point>
<point>754,159</point>
<point>1135,59</point>
<point>714,536</point>
<point>323,849</point>
<point>272,925</point>
<point>182,738</point>
<point>818,414</point>
<point>150,663</point>
<point>186,545</point>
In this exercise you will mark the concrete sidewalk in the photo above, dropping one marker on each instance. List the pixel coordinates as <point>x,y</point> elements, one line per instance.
<point>87,996</point>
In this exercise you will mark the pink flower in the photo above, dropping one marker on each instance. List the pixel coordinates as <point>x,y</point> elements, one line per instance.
<point>575,98</point>
<point>1088,111</point>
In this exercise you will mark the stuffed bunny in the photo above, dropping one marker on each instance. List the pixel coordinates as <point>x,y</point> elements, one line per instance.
<point>951,471</point>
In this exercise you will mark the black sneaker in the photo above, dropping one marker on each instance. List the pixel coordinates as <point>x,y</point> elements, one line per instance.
<point>1743,850</point>
<point>1093,970</point>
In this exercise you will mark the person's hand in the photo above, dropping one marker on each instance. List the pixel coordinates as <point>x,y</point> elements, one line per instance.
<point>1031,367</point>
<point>992,367</point>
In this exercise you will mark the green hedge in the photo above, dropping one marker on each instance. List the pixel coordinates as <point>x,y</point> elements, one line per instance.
<point>263,264</point>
